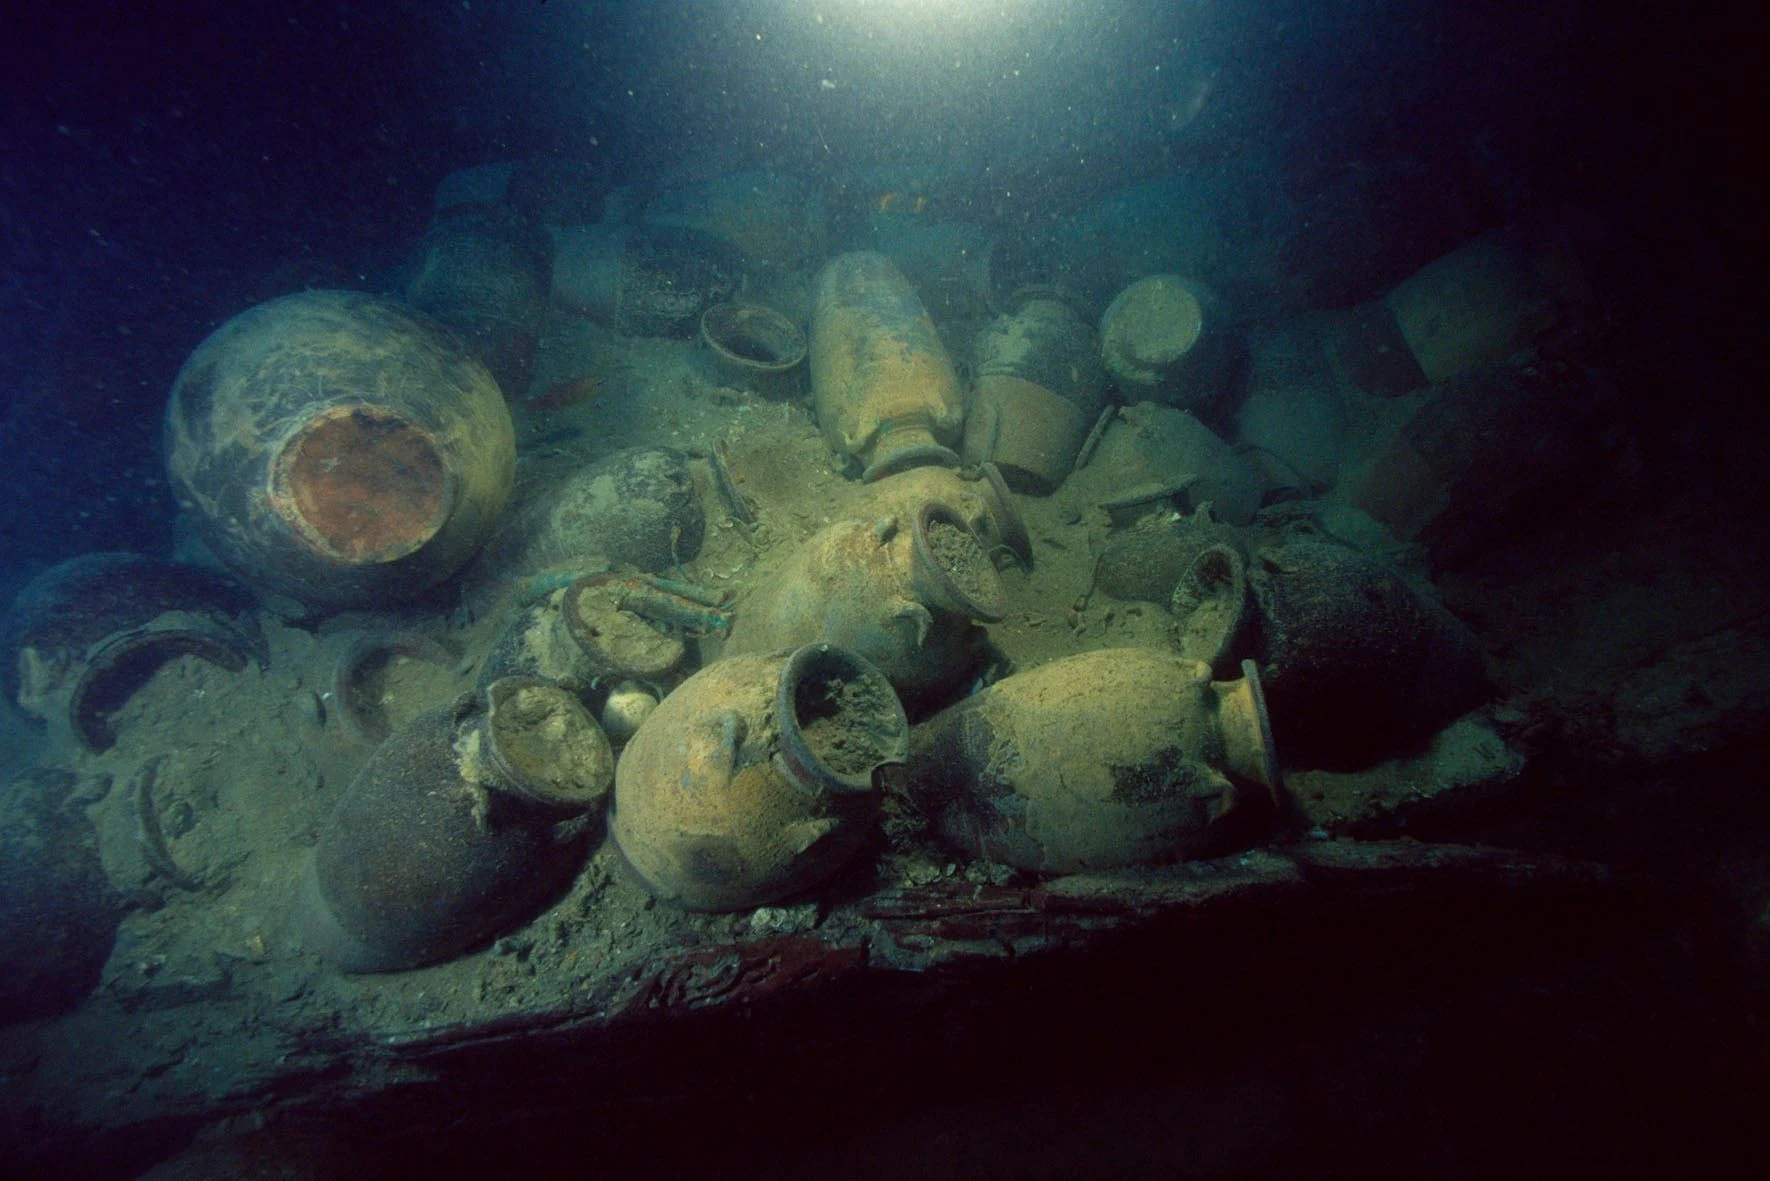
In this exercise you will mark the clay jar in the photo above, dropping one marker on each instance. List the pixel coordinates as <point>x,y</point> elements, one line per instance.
<point>1165,338</point>
<point>901,591</point>
<point>1146,559</point>
<point>755,348</point>
<point>885,390</point>
<point>1039,386</point>
<point>1095,761</point>
<point>1155,455</point>
<point>756,778</point>
<point>462,825</point>
<point>1473,308</point>
<point>978,494</point>
<point>637,507</point>
<point>485,271</point>
<point>1358,664</point>
<point>642,280</point>
<point>583,636</point>
<point>85,634</point>
<point>338,449</point>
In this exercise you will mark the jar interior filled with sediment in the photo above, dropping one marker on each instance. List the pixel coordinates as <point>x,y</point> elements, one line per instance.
<point>362,486</point>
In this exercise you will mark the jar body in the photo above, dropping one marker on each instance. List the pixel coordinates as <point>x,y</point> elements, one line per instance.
<point>884,387</point>
<point>729,796</point>
<point>1095,761</point>
<point>338,449</point>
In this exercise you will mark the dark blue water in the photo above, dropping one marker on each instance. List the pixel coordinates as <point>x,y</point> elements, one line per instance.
<point>167,168</point>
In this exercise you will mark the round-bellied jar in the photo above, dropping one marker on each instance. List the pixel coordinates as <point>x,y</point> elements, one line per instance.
<point>756,778</point>
<point>338,449</point>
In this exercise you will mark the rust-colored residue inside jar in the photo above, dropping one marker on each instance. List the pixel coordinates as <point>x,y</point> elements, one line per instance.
<point>362,486</point>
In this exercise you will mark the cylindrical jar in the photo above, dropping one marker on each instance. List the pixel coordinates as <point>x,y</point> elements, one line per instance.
<point>885,390</point>
<point>1039,386</point>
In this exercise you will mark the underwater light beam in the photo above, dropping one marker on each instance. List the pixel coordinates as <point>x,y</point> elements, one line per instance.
<point>919,23</point>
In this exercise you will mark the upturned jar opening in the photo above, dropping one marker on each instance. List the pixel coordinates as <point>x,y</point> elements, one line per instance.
<point>752,339</point>
<point>1155,321</point>
<point>362,486</point>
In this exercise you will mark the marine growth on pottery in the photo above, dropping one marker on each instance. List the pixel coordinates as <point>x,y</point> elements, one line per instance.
<point>756,778</point>
<point>462,825</point>
<point>886,393</point>
<point>1095,761</point>
<point>904,592</point>
<point>338,449</point>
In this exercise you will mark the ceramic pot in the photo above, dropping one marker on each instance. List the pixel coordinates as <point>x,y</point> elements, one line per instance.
<point>903,592</point>
<point>885,390</point>
<point>1358,664</point>
<point>978,494</point>
<point>755,348</point>
<point>1166,339</point>
<point>585,636</point>
<point>374,690</point>
<point>1486,300</point>
<point>642,280</point>
<point>1039,386</point>
<point>1096,761</point>
<point>338,449</point>
<point>1156,458</point>
<point>484,271</point>
<point>1145,560</point>
<point>755,779</point>
<point>1475,307</point>
<point>954,266</point>
<point>1486,450</point>
<point>638,507</point>
<point>461,826</point>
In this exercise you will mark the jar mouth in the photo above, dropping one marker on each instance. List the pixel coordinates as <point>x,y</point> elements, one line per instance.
<point>618,642</point>
<point>359,700</point>
<point>902,459</point>
<point>361,486</point>
<point>953,570</point>
<point>840,721</point>
<point>753,338</point>
<point>544,746</point>
<point>1156,321</point>
<point>1210,605</point>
